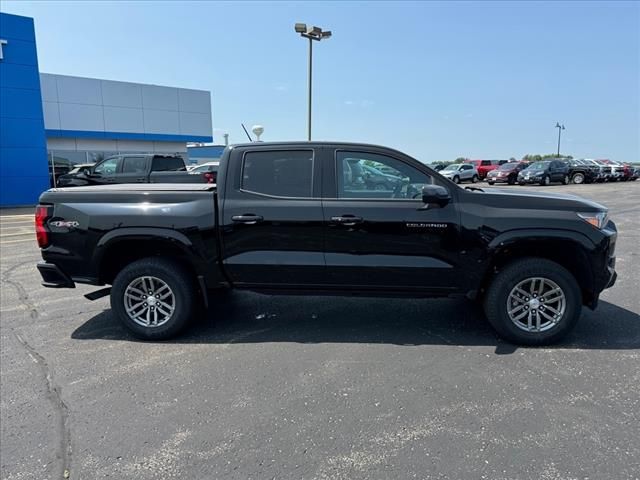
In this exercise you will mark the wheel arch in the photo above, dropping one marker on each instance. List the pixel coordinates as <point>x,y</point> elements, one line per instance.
<point>569,249</point>
<point>121,247</point>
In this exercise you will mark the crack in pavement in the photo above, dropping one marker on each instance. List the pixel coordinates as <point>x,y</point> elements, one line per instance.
<point>23,296</point>
<point>54,395</point>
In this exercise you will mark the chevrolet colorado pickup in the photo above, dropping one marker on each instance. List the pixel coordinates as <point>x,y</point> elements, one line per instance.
<point>293,218</point>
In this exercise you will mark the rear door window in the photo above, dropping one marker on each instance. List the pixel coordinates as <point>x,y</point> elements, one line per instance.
<point>286,173</point>
<point>164,164</point>
<point>136,165</point>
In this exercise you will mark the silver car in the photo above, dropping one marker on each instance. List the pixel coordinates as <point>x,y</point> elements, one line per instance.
<point>460,172</point>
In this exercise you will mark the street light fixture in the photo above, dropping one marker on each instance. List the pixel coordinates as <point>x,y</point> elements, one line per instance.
<point>317,34</point>
<point>560,128</point>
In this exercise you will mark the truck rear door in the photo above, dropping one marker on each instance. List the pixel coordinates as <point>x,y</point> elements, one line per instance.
<point>271,217</point>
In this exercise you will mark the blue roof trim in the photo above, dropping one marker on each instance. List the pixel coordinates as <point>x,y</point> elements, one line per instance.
<point>154,137</point>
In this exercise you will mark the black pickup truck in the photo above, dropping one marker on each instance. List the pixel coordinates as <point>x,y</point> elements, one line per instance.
<point>298,218</point>
<point>134,168</point>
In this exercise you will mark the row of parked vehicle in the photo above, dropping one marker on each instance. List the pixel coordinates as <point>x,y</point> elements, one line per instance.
<point>136,168</point>
<point>544,172</point>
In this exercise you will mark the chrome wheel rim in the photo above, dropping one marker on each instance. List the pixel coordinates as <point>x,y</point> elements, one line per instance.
<point>536,304</point>
<point>578,178</point>
<point>149,301</point>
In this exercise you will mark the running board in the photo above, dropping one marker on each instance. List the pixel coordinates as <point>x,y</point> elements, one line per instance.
<point>103,292</point>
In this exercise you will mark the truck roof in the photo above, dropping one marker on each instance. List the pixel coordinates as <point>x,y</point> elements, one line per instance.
<point>140,187</point>
<point>310,144</point>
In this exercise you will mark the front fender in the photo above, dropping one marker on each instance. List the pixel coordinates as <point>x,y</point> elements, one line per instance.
<point>511,237</point>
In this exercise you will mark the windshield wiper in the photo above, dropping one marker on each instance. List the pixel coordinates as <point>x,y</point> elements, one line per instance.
<point>474,189</point>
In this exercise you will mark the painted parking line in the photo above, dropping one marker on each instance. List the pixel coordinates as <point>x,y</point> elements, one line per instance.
<point>18,234</point>
<point>30,215</point>
<point>7,242</point>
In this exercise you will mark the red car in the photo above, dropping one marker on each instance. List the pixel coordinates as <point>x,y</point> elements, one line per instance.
<point>485,166</point>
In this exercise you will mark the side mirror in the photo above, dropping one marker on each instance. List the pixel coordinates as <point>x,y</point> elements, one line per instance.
<point>435,194</point>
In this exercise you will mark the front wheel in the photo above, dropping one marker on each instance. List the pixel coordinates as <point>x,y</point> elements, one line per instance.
<point>490,182</point>
<point>545,181</point>
<point>474,179</point>
<point>154,298</point>
<point>578,178</point>
<point>565,180</point>
<point>533,301</point>
<point>456,179</point>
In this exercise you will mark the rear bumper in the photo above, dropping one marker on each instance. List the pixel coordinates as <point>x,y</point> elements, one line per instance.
<point>53,277</point>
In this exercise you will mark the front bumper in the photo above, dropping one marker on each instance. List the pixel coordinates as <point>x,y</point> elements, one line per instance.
<point>529,179</point>
<point>53,277</point>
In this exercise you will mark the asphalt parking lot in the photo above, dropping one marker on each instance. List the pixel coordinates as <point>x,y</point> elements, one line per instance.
<point>327,388</point>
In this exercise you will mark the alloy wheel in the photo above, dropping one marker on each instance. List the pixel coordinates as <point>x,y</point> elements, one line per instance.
<point>149,301</point>
<point>536,304</point>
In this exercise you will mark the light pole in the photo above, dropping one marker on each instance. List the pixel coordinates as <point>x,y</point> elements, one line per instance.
<point>560,128</point>
<point>317,34</point>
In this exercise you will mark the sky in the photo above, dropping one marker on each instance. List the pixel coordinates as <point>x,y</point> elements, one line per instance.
<point>435,80</point>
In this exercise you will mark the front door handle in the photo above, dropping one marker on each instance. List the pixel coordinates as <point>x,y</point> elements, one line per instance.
<point>247,218</point>
<point>347,220</point>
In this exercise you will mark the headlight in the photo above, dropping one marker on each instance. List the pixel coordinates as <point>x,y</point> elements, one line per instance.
<point>597,219</point>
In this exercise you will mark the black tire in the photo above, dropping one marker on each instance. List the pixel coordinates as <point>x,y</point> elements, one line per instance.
<point>474,179</point>
<point>521,184</point>
<point>456,179</point>
<point>495,301</point>
<point>490,182</point>
<point>565,180</point>
<point>182,286</point>
<point>545,181</point>
<point>511,181</point>
<point>578,178</point>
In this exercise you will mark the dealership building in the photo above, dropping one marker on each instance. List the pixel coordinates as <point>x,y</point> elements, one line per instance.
<point>52,121</point>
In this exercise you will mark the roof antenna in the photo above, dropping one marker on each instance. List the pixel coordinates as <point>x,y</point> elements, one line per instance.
<point>245,131</point>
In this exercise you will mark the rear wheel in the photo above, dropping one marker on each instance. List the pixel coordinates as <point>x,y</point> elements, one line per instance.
<point>533,301</point>
<point>578,178</point>
<point>154,298</point>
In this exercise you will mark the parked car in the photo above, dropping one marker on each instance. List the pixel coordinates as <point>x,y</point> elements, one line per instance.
<point>460,172</point>
<point>581,171</point>
<point>545,173</point>
<point>485,166</point>
<point>209,170</point>
<point>76,177</point>
<point>632,171</point>
<point>603,171</point>
<point>616,170</point>
<point>377,180</point>
<point>506,173</point>
<point>137,168</point>
<point>282,220</point>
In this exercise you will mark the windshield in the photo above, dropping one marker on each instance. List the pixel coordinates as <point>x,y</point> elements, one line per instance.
<point>539,166</point>
<point>453,166</point>
<point>507,166</point>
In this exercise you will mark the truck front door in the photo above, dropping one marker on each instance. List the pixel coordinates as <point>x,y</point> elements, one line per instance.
<point>384,239</point>
<point>272,222</point>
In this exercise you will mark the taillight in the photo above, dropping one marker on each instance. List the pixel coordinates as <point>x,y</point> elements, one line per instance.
<point>42,233</point>
<point>210,177</point>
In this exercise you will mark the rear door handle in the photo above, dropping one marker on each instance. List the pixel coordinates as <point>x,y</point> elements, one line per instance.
<point>347,220</point>
<point>248,218</point>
